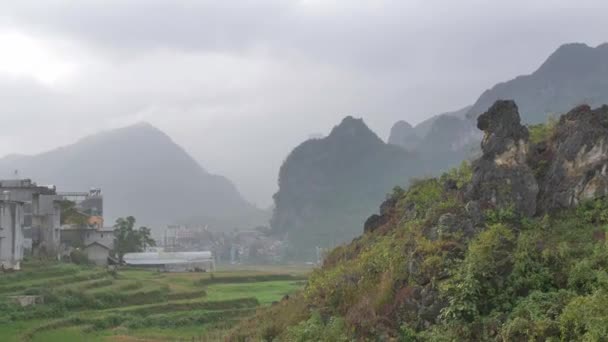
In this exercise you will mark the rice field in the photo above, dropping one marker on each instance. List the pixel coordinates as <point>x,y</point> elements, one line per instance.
<point>94,304</point>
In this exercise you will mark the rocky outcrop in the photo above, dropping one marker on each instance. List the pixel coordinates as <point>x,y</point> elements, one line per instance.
<point>501,177</point>
<point>578,163</point>
<point>376,221</point>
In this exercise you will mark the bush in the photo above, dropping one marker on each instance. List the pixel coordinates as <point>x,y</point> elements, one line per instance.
<point>79,257</point>
<point>315,329</point>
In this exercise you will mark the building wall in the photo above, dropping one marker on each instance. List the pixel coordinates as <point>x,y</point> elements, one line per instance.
<point>11,234</point>
<point>97,254</point>
<point>104,237</point>
<point>41,213</point>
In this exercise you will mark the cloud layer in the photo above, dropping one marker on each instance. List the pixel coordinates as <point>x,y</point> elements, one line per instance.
<point>240,83</point>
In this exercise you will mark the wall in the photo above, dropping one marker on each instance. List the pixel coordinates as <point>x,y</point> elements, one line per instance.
<point>97,254</point>
<point>11,234</point>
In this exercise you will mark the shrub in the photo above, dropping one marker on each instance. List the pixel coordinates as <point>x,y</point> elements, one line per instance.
<point>79,257</point>
<point>316,329</point>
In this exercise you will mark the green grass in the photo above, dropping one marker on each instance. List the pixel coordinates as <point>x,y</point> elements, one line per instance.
<point>265,292</point>
<point>91,304</point>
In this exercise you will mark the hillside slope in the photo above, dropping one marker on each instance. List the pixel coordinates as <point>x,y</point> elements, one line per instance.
<point>510,248</point>
<point>328,186</point>
<point>143,173</point>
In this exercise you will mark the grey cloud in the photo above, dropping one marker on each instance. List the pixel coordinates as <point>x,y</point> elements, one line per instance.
<point>257,77</point>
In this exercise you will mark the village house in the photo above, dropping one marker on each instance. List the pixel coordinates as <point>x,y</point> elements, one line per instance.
<point>97,244</point>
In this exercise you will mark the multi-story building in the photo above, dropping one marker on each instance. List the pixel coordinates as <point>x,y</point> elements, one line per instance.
<point>90,204</point>
<point>41,213</point>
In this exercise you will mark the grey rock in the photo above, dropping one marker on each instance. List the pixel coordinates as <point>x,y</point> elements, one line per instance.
<point>474,211</point>
<point>578,170</point>
<point>502,177</point>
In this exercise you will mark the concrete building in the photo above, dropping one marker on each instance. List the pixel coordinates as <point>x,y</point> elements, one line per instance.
<point>11,234</point>
<point>41,213</point>
<point>89,204</point>
<point>96,243</point>
<point>98,253</point>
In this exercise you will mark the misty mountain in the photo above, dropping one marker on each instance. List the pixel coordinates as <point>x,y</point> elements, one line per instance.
<point>413,138</point>
<point>143,173</point>
<point>574,74</point>
<point>328,186</point>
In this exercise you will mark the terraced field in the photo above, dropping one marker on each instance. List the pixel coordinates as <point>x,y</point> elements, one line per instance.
<point>93,304</point>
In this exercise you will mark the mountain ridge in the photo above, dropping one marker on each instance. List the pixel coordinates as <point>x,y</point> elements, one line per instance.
<point>134,165</point>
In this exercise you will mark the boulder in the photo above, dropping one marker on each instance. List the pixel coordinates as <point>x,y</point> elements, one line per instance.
<point>501,176</point>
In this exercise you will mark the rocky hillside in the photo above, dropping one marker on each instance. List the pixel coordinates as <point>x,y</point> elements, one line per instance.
<point>143,173</point>
<point>509,248</point>
<point>328,186</point>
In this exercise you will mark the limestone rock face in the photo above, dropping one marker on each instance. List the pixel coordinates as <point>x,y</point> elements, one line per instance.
<point>501,177</point>
<point>577,170</point>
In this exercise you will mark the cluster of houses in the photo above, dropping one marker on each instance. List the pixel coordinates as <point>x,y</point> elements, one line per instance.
<point>39,221</point>
<point>235,247</point>
<point>31,223</point>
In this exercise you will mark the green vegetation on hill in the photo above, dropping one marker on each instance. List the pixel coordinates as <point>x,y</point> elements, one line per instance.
<point>427,274</point>
<point>92,304</point>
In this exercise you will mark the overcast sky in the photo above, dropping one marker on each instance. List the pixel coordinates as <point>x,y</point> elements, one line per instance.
<point>238,84</point>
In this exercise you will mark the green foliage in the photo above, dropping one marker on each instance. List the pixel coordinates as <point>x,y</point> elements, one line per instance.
<point>461,175</point>
<point>476,284</point>
<point>69,214</point>
<point>316,329</point>
<point>128,239</point>
<point>79,257</point>
<point>518,279</point>
<point>586,318</point>
<point>542,132</point>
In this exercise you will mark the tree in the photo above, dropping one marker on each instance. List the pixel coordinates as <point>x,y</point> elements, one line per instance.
<point>70,215</point>
<point>130,240</point>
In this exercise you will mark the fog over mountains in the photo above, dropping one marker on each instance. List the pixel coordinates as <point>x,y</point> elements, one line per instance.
<point>328,187</point>
<point>572,75</point>
<point>143,173</point>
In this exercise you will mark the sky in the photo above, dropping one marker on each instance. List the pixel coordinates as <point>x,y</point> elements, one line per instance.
<point>239,84</point>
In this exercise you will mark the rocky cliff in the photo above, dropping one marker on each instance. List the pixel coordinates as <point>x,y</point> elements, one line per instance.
<point>509,248</point>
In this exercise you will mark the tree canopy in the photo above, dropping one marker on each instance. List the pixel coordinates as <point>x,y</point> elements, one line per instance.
<point>127,239</point>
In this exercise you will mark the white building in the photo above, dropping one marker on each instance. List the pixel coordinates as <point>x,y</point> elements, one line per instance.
<point>172,261</point>
<point>11,234</point>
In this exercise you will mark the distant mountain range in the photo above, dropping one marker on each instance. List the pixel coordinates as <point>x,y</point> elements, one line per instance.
<point>143,173</point>
<point>574,74</point>
<point>328,186</point>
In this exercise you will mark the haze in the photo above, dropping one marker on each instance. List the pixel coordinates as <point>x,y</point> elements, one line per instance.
<point>239,84</point>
